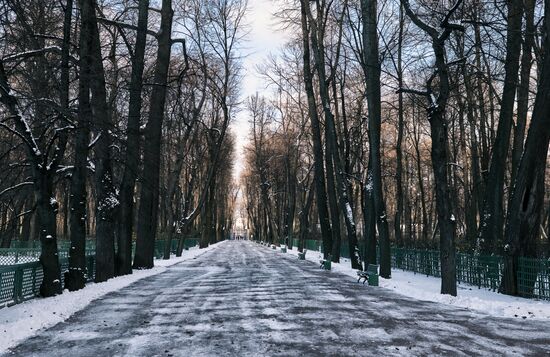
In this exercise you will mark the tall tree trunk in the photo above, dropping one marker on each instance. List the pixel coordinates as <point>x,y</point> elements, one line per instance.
<point>439,135</point>
<point>51,283</point>
<point>304,218</point>
<point>319,171</point>
<point>369,220</point>
<point>172,187</point>
<point>149,200</point>
<point>206,217</point>
<point>524,85</point>
<point>107,200</point>
<point>332,200</point>
<point>75,278</point>
<point>399,144</point>
<point>291,199</point>
<point>372,74</point>
<point>26,225</point>
<point>46,206</point>
<point>492,215</point>
<point>131,168</point>
<point>317,37</point>
<point>525,212</point>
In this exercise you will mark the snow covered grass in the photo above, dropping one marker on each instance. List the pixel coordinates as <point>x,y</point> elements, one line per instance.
<point>24,320</point>
<point>427,288</point>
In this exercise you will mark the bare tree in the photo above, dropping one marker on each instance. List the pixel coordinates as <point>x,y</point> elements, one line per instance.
<point>439,134</point>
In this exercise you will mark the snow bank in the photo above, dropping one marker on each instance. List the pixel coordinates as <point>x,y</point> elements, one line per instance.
<point>421,287</point>
<point>24,320</point>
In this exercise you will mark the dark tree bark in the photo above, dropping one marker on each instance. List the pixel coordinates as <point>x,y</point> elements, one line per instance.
<point>210,176</point>
<point>492,214</point>
<point>26,224</point>
<point>207,217</point>
<point>149,199</point>
<point>399,144</point>
<point>317,35</point>
<point>75,278</point>
<point>372,74</point>
<point>304,217</point>
<point>291,198</point>
<point>42,170</point>
<point>107,200</point>
<point>369,219</point>
<point>439,135</point>
<point>524,85</point>
<point>526,205</point>
<point>332,200</point>
<point>131,168</point>
<point>319,170</point>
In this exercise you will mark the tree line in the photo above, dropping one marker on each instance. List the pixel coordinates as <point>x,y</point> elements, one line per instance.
<point>414,124</point>
<point>115,124</point>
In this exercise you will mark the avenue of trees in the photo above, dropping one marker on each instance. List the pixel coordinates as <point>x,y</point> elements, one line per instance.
<point>421,124</point>
<point>114,118</point>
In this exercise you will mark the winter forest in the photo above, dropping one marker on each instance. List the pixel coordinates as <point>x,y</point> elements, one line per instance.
<point>380,127</point>
<point>405,124</point>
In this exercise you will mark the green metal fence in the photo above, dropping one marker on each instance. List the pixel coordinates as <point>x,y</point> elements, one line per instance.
<point>22,281</point>
<point>419,261</point>
<point>477,270</point>
<point>12,256</point>
<point>309,244</point>
<point>534,278</point>
<point>160,244</point>
<point>533,275</point>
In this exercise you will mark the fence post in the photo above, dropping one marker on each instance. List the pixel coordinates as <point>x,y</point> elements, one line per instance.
<point>18,285</point>
<point>34,280</point>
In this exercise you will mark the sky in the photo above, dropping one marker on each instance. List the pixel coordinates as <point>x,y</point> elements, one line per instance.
<point>264,38</point>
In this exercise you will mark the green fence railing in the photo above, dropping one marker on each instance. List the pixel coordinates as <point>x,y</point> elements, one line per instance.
<point>534,278</point>
<point>309,244</point>
<point>533,274</point>
<point>21,282</point>
<point>12,256</point>
<point>21,276</point>
<point>477,270</point>
<point>187,243</point>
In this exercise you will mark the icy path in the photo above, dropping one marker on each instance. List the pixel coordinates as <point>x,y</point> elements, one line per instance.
<point>242,299</point>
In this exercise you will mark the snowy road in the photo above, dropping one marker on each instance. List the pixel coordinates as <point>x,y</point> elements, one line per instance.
<point>242,299</point>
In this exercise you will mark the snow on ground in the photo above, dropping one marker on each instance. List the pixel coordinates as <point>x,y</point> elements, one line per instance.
<point>245,300</point>
<point>24,320</point>
<point>427,288</point>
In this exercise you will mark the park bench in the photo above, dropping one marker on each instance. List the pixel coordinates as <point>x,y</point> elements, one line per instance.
<point>283,248</point>
<point>302,255</point>
<point>370,275</point>
<point>325,263</point>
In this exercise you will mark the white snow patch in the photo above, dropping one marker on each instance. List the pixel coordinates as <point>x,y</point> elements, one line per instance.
<point>24,320</point>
